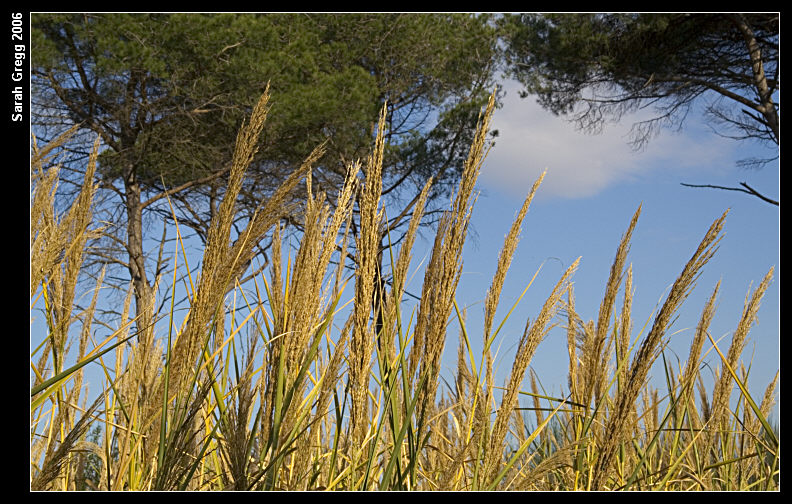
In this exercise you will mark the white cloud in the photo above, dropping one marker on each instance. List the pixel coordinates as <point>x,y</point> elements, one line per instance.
<point>579,164</point>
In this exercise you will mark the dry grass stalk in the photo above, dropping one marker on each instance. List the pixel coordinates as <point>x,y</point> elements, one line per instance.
<point>725,382</point>
<point>56,458</point>
<point>362,342</point>
<point>308,304</point>
<point>332,373</point>
<point>537,479</point>
<point>462,412</point>
<point>393,298</point>
<point>537,404</point>
<point>224,263</point>
<point>529,342</point>
<point>445,266</point>
<point>217,258</point>
<point>298,309</point>
<point>691,367</point>
<point>58,248</point>
<point>573,377</point>
<point>768,401</point>
<point>234,427</point>
<point>41,156</point>
<point>625,328</point>
<point>595,353</point>
<point>493,294</point>
<point>616,425</point>
<point>441,279</point>
<point>45,244</point>
<point>690,374</point>
<point>504,260</point>
<point>750,440</point>
<point>429,294</point>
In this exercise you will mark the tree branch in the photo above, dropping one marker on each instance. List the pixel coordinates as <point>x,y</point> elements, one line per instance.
<point>186,185</point>
<point>748,189</point>
<point>757,66</point>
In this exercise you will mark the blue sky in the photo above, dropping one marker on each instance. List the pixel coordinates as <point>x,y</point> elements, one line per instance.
<point>594,184</point>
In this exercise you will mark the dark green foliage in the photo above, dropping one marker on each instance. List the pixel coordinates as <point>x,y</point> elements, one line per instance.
<point>167,92</point>
<point>598,67</point>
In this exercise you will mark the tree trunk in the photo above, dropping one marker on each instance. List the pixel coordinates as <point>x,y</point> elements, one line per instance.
<point>143,291</point>
<point>767,107</point>
<point>137,266</point>
<point>148,394</point>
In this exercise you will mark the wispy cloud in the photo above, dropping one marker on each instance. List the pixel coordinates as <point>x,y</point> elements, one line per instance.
<point>581,165</point>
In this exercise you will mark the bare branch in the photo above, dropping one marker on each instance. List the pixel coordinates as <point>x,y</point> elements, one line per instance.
<point>748,189</point>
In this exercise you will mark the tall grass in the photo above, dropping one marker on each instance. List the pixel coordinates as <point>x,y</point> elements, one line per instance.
<point>280,386</point>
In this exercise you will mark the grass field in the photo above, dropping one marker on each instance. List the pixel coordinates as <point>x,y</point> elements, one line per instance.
<point>278,392</point>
